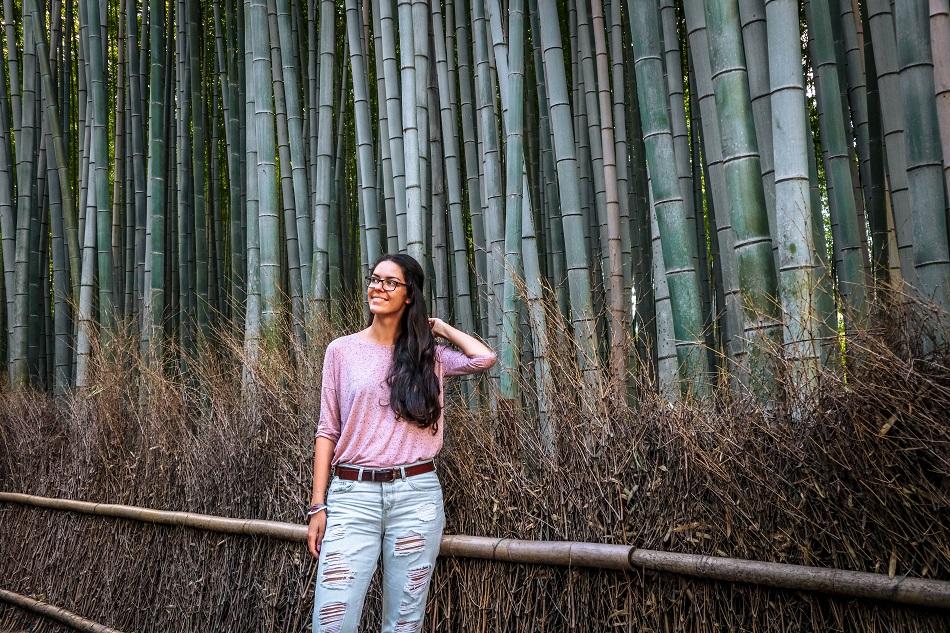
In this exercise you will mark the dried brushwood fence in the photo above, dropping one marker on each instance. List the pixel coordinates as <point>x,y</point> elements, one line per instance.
<point>857,481</point>
<point>912,591</point>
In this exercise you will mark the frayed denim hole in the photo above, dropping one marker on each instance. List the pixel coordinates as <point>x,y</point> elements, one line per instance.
<point>411,543</point>
<point>336,572</point>
<point>406,626</point>
<point>335,533</point>
<point>417,580</point>
<point>331,617</point>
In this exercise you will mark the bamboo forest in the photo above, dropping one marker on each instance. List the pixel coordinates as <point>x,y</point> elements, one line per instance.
<point>708,240</point>
<point>172,172</point>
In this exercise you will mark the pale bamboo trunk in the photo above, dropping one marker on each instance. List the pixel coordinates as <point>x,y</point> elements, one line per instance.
<point>792,200</point>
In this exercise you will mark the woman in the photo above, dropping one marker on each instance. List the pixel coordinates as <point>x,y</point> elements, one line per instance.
<point>380,426</point>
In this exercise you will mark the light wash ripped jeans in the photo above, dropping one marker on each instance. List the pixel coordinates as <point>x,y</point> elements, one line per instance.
<point>403,520</point>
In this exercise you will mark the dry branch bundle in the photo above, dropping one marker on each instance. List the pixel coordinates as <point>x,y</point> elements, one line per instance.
<point>859,481</point>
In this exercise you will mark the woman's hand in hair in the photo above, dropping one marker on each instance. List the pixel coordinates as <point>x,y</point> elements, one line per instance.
<point>470,346</point>
<point>438,327</point>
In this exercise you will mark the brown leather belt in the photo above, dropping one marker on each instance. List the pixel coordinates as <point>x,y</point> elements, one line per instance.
<point>383,474</point>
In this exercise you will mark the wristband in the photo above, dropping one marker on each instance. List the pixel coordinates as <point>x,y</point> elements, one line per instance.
<point>315,508</point>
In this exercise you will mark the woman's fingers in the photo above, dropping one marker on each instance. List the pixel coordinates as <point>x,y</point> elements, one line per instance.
<point>315,535</point>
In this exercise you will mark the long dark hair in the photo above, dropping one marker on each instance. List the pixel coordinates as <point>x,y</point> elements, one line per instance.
<point>413,387</point>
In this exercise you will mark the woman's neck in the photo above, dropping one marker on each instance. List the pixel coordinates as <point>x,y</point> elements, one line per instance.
<point>383,329</point>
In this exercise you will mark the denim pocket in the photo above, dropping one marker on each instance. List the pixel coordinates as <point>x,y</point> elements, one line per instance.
<point>338,485</point>
<point>427,482</point>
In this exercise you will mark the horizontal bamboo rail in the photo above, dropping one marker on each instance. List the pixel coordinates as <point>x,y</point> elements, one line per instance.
<point>902,590</point>
<point>62,616</point>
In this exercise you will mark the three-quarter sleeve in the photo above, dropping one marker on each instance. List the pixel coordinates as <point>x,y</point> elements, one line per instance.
<point>329,424</point>
<point>455,363</point>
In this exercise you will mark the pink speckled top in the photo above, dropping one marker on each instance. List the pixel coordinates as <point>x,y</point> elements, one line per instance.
<point>354,404</point>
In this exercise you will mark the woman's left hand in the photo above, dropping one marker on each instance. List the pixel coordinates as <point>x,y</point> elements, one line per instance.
<point>438,327</point>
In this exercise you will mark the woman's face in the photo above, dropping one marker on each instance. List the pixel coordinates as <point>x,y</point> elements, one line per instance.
<point>387,302</point>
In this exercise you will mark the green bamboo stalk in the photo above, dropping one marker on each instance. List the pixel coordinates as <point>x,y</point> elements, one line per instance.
<point>324,175</point>
<point>154,303</point>
<point>550,207</point>
<point>390,72</point>
<point>420,64</point>
<point>252,308</point>
<point>665,343</point>
<point>849,264</point>
<point>732,324</point>
<point>85,317</point>
<point>825,308</point>
<point>185,198</point>
<point>410,130</point>
<point>875,190</point>
<point>851,119</point>
<point>338,255</point>
<point>510,339</point>
<point>677,240</point>
<point>473,163</point>
<point>13,62</point>
<point>618,301</point>
<point>453,177</point>
<point>748,210</point>
<point>120,154</point>
<point>137,106</point>
<point>438,269</point>
<point>58,150</point>
<point>618,91</point>
<point>100,158</point>
<point>261,83</point>
<point>364,132</point>
<point>298,167</point>
<point>25,173</point>
<point>672,63</point>
<point>924,153</point>
<point>881,26</point>
<point>385,173</point>
<point>755,46</point>
<point>852,43</point>
<point>940,43</point>
<point>229,100</point>
<point>294,283</point>
<point>493,187</point>
<point>198,161</point>
<point>7,207</point>
<point>709,283</point>
<point>571,217</point>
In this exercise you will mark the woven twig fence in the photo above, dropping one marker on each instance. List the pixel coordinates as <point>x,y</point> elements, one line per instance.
<point>902,590</point>
<point>62,616</point>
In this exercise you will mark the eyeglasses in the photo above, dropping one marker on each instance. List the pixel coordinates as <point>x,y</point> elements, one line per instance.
<point>389,284</point>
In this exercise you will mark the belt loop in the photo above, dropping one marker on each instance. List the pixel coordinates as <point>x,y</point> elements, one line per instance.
<point>359,476</point>
<point>402,471</point>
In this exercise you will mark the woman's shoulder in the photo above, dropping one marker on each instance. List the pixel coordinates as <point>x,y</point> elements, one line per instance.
<point>341,343</point>
<point>356,342</point>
